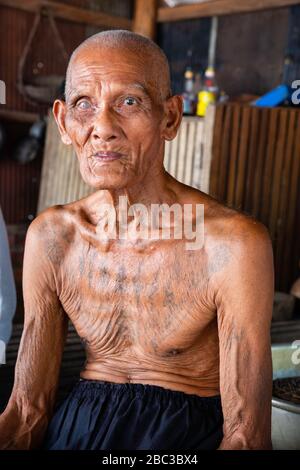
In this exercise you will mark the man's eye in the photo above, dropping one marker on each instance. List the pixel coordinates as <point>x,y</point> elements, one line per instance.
<point>130,101</point>
<point>83,105</point>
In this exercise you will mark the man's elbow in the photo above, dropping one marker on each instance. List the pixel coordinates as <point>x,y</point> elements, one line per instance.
<point>243,441</point>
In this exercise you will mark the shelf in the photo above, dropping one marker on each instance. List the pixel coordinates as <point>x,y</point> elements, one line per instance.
<point>218,8</point>
<point>18,116</point>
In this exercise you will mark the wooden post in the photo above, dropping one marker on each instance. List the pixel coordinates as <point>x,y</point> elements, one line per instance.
<point>144,20</point>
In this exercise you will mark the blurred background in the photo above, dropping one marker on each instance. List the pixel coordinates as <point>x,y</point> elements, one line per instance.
<point>236,64</point>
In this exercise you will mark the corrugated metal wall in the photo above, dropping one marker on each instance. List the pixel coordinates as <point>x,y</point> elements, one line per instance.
<point>19,184</point>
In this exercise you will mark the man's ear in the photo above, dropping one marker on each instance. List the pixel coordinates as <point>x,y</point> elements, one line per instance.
<point>173,115</point>
<point>59,111</point>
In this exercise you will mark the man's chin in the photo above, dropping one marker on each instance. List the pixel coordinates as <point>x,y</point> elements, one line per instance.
<point>106,182</point>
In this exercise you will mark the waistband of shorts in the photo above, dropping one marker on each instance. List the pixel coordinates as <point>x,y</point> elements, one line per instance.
<point>95,388</point>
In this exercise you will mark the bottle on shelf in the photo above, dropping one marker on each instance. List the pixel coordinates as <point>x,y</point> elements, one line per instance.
<point>197,83</point>
<point>209,92</point>
<point>189,97</point>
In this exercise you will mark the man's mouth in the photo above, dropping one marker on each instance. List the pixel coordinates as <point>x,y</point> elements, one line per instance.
<point>107,156</point>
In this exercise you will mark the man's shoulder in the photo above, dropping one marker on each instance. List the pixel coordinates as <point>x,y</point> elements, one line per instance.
<point>224,222</point>
<point>49,218</point>
<point>230,223</point>
<point>236,245</point>
<point>226,225</point>
<point>53,224</point>
<point>236,226</point>
<point>239,234</point>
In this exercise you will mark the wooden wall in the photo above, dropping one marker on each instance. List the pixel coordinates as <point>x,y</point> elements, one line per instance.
<point>256,169</point>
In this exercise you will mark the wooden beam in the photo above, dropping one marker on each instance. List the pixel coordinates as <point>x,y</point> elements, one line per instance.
<point>18,116</point>
<point>145,13</point>
<point>70,13</point>
<point>218,8</point>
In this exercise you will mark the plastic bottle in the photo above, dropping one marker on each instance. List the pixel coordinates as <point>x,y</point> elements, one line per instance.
<point>189,97</point>
<point>209,92</point>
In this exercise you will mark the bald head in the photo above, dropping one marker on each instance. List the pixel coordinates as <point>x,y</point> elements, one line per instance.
<point>118,101</point>
<point>139,46</point>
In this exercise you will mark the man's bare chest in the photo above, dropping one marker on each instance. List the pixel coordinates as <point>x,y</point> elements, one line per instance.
<point>154,300</point>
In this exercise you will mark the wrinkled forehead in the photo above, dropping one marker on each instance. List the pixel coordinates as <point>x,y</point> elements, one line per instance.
<point>114,65</point>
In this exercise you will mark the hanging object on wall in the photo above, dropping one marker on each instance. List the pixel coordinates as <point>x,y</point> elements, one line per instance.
<point>30,146</point>
<point>40,89</point>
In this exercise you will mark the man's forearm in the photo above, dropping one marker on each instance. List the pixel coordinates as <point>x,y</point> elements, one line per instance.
<point>244,441</point>
<point>22,429</point>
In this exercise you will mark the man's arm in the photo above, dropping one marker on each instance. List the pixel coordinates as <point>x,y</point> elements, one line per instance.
<point>25,419</point>
<point>244,302</point>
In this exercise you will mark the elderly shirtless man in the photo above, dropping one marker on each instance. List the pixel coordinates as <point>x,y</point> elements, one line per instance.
<point>177,340</point>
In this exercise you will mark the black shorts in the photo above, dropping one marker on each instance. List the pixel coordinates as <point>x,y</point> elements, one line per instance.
<point>109,416</point>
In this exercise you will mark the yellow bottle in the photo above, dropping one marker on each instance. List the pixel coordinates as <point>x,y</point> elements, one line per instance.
<point>209,92</point>
<point>205,98</point>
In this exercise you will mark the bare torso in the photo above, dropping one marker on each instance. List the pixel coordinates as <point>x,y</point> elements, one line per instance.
<point>148,311</point>
<point>144,311</point>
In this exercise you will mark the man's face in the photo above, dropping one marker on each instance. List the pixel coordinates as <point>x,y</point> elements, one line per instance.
<point>114,116</point>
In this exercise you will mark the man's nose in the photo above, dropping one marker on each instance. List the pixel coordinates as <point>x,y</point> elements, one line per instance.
<point>105,126</point>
